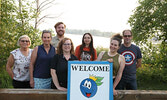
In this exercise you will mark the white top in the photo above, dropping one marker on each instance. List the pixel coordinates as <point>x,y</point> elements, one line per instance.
<point>21,65</point>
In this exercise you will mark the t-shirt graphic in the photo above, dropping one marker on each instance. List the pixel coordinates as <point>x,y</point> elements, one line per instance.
<point>129,57</point>
<point>85,56</point>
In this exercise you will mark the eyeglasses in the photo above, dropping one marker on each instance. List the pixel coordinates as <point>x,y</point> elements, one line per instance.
<point>67,44</point>
<point>25,41</point>
<point>127,35</point>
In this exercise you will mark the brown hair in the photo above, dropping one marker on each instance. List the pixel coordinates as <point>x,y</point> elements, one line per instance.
<point>59,47</point>
<point>46,31</point>
<point>57,24</point>
<point>117,37</point>
<point>126,30</point>
<point>90,45</point>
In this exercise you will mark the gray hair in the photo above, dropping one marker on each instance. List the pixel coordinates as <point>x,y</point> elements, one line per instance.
<point>23,36</point>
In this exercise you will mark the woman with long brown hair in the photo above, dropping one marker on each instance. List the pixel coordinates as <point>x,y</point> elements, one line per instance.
<point>86,51</point>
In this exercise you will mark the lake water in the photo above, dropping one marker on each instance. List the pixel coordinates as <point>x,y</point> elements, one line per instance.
<point>97,41</point>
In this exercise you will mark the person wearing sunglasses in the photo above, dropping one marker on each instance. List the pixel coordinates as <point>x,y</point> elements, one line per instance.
<point>133,58</point>
<point>40,77</point>
<point>18,63</point>
<point>86,51</point>
<point>59,64</point>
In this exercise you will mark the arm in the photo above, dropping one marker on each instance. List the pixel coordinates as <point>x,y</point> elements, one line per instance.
<point>95,56</point>
<point>138,64</point>
<point>77,52</point>
<point>55,80</point>
<point>9,66</point>
<point>100,56</point>
<point>32,63</point>
<point>55,50</point>
<point>120,71</point>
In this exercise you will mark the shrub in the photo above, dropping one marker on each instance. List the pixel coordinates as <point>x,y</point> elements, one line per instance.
<point>99,49</point>
<point>5,80</point>
<point>151,74</point>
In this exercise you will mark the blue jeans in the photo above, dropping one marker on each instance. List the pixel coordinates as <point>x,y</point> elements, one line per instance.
<point>125,84</point>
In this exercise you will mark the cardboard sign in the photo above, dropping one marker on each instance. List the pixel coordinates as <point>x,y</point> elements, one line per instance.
<point>90,80</point>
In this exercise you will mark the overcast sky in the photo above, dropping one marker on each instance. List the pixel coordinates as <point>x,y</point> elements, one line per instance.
<point>103,15</point>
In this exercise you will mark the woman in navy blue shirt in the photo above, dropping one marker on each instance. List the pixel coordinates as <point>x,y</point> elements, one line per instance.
<point>59,64</point>
<point>40,77</point>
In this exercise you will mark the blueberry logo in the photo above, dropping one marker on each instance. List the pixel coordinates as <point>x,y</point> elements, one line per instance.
<point>89,85</point>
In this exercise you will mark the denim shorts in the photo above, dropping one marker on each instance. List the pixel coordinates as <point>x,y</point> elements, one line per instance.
<point>42,83</point>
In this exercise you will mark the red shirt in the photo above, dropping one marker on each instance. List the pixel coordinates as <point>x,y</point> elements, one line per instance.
<point>85,56</point>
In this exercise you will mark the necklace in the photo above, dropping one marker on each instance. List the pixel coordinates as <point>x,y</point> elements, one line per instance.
<point>67,56</point>
<point>111,55</point>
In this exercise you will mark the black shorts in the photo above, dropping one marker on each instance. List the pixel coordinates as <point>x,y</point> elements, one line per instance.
<point>21,84</point>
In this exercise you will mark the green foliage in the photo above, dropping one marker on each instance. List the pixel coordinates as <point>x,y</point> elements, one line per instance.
<point>148,26</point>
<point>12,28</point>
<point>148,73</point>
<point>149,29</point>
<point>14,23</point>
<point>149,20</point>
<point>8,24</point>
<point>147,76</point>
<point>99,49</point>
<point>152,55</point>
<point>6,81</point>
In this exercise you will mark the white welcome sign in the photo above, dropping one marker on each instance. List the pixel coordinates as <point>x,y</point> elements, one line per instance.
<point>90,80</point>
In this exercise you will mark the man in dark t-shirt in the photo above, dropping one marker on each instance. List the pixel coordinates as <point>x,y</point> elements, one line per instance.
<point>133,59</point>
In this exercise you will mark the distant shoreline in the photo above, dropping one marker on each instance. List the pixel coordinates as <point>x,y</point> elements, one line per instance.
<point>93,32</point>
<point>98,41</point>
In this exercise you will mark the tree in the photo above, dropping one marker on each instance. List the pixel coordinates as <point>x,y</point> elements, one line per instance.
<point>41,6</point>
<point>149,22</point>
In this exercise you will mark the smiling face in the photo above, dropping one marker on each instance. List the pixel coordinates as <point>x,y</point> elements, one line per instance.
<point>87,39</point>
<point>46,38</point>
<point>24,42</point>
<point>88,87</point>
<point>60,30</point>
<point>114,46</point>
<point>67,46</point>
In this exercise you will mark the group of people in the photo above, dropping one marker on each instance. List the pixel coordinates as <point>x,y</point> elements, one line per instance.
<point>45,66</point>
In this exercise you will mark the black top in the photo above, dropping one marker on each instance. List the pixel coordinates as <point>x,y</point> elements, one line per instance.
<point>60,64</point>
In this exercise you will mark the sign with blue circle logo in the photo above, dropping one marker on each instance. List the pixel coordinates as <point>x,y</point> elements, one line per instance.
<point>88,87</point>
<point>90,80</point>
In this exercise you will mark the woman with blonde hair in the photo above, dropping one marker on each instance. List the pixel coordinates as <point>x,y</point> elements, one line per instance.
<point>40,77</point>
<point>18,63</point>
